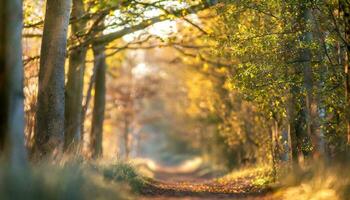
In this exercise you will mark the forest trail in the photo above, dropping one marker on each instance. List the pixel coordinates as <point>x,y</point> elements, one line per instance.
<point>171,183</point>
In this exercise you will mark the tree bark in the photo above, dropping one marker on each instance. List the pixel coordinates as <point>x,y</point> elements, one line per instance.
<point>299,140</point>
<point>305,58</point>
<point>292,128</point>
<point>75,83</point>
<point>273,151</point>
<point>293,94</point>
<point>347,96</point>
<point>49,132</point>
<point>99,102</point>
<point>276,142</point>
<point>11,84</point>
<point>345,8</point>
<point>88,98</point>
<point>126,138</point>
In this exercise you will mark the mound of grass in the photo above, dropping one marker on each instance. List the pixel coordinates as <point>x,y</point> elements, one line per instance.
<point>124,172</point>
<point>259,176</point>
<point>70,182</point>
<point>318,183</point>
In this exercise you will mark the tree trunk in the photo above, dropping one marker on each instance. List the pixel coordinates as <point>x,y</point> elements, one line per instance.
<point>11,84</point>
<point>75,83</point>
<point>347,97</point>
<point>49,132</point>
<point>99,102</point>
<point>126,138</point>
<point>88,98</point>
<point>305,58</point>
<point>273,151</point>
<point>293,94</point>
<point>345,8</point>
<point>292,128</point>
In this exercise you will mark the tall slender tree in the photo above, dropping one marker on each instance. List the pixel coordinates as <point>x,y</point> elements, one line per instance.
<point>99,101</point>
<point>345,9</point>
<point>293,91</point>
<point>75,81</point>
<point>49,131</point>
<point>306,25</point>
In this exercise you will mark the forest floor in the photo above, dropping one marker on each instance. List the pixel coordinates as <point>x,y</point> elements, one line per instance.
<point>171,184</point>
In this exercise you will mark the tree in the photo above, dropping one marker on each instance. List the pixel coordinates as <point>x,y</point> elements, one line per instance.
<point>129,91</point>
<point>345,9</point>
<point>50,108</point>
<point>293,92</point>
<point>93,36</point>
<point>75,81</point>
<point>305,60</point>
<point>99,101</point>
<point>11,83</point>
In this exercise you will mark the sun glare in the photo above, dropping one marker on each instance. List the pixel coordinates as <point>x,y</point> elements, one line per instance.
<point>140,70</point>
<point>162,29</point>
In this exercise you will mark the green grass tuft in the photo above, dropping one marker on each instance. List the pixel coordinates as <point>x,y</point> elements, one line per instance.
<point>124,172</point>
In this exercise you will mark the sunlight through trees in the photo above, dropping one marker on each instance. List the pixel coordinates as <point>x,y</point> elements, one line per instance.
<point>217,98</point>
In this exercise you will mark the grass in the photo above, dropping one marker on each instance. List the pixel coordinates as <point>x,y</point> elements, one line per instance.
<point>259,176</point>
<point>124,173</point>
<point>121,180</point>
<point>69,182</point>
<point>318,183</point>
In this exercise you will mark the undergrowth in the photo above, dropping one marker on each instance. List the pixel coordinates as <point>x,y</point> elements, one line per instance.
<point>259,176</point>
<point>317,183</point>
<point>124,172</point>
<point>69,182</point>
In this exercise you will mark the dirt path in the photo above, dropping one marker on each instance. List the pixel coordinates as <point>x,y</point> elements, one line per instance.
<point>173,185</point>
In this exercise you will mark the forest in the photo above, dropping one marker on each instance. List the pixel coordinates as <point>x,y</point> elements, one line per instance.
<point>175,99</point>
